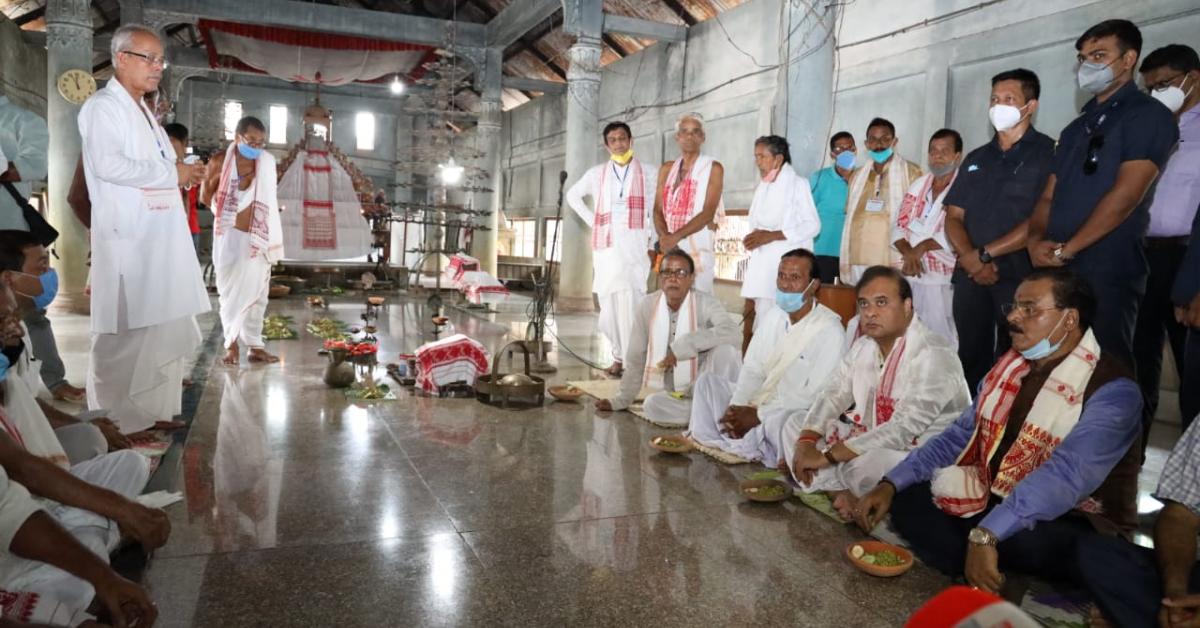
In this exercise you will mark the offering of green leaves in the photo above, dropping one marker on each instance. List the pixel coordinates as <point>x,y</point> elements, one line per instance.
<point>770,490</point>
<point>327,329</point>
<point>361,392</point>
<point>882,558</point>
<point>669,443</point>
<point>278,327</point>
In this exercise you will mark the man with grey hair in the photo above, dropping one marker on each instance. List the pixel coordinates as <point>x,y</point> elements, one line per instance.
<point>146,285</point>
<point>688,200</point>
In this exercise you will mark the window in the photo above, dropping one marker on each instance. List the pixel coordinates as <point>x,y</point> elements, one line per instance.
<point>364,130</point>
<point>233,113</point>
<point>278,125</point>
<point>524,237</point>
<point>553,230</point>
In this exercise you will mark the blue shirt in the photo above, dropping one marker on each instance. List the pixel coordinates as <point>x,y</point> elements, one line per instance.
<point>829,192</point>
<point>1108,425</point>
<point>1129,126</point>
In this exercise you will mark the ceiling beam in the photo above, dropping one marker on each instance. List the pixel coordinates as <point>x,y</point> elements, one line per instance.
<point>533,85</point>
<point>310,16</point>
<point>644,29</point>
<point>526,43</point>
<point>517,19</point>
<point>681,12</point>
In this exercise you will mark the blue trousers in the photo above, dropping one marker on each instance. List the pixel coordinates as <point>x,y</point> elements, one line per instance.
<point>1123,580</point>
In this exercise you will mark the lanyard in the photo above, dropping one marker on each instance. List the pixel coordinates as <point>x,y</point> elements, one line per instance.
<point>154,132</point>
<point>620,179</point>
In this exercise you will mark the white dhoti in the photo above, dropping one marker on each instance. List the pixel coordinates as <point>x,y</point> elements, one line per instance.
<point>712,396</point>
<point>721,363</point>
<point>123,472</point>
<point>243,286</point>
<point>858,476</point>
<point>934,305</point>
<point>760,307</point>
<point>617,313</point>
<point>137,374</point>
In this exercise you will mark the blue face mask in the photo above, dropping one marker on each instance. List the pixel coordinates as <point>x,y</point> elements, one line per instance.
<point>791,301</point>
<point>248,151</point>
<point>1043,347</point>
<point>9,356</point>
<point>880,156</point>
<point>845,160</point>
<point>49,281</point>
<point>4,366</point>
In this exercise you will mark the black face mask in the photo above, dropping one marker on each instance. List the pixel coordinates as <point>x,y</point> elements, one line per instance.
<point>14,353</point>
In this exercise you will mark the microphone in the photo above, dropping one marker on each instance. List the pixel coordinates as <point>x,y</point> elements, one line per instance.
<point>562,177</point>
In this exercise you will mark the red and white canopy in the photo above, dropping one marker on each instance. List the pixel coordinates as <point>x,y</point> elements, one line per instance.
<point>310,57</point>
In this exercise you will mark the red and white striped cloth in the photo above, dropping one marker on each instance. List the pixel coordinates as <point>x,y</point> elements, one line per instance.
<point>479,286</point>
<point>450,360</point>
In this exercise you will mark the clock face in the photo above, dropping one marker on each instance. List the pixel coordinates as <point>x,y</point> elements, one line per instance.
<point>76,86</point>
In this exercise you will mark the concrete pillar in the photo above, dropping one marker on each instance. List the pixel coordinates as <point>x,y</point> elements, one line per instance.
<point>583,128</point>
<point>68,46</point>
<point>805,103</point>
<point>483,243</point>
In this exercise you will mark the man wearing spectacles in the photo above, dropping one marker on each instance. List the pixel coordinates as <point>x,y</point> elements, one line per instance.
<point>1171,75</point>
<point>1047,455</point>
<point>678,335</point>
<point>1094,209</point>
<point>145,278</point>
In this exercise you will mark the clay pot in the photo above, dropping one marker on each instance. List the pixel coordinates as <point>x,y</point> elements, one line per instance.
<point>340,372</point>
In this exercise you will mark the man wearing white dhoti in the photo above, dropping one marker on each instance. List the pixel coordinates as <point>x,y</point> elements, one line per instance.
<point>919,235</point>
<point>146,284</point>
<point>688,200</point>
<point>240,188</point>
<point>783,217</point>
<point>623,194</point>
<point>797,345</point>
<point>899,385</point>
<point>678,334</point>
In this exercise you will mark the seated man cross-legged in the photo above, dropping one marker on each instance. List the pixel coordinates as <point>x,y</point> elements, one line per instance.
<point>797,344</point>
<point>1047,454</point>
<point>899,385</point>
<point>678,334</point>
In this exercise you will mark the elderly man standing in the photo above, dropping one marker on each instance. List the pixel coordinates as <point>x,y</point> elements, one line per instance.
<point>1047,452</point>
<point>899,386</point>
<point>247,236</point>
<point>146,285</point>
<point>623,194</point>
<point>679,334</point>
<point>919,234</point>
<point>797,345</point>
<point>688,200</point>
<point>875,197</point>
<point>782,218</point>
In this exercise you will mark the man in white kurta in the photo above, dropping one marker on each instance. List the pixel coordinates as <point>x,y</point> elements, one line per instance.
<point>146,283</point>
<point>898,386</point>
<point>247,237</point>
<point>688,202</point>
<point>783,217</point>
<point>679,334</point>
<point>919,235</point>
<point>622,192</point>
<point>788,361</point>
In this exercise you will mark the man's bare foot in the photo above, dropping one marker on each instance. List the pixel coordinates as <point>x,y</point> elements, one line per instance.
<point>844,503</point>
<point>259,355</point>
<point>616,369</point>
<point>232,355</point>
<point>66,392</point>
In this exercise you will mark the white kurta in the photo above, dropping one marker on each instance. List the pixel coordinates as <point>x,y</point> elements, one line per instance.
<point>930,392</point>
<point>701,244</point>
<point>785,204</point>
<point>821,332</point>
<point>24,140</point>
<point>146,283</point>
<point>620,271</point>
<point>933,294</point>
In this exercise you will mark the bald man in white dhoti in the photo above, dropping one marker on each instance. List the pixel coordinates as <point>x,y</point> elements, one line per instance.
<point>145,279</point>
<point>240,188</point>
<point>688,202</point>
<point>679,334</point>
<point>622,192</point>
<point>797,345</point>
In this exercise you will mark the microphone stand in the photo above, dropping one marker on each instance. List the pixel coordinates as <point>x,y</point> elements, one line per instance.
<point>543,291</point>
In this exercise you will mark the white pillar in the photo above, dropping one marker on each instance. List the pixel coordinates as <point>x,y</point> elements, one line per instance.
<point>583,128</point>
<point>483,242</point>
<point>805,105</point>
<point>68,47</point>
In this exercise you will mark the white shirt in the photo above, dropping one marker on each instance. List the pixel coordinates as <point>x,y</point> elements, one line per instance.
<point>24,140</point>
<point>929,224</point>
<point>805,375</point>
<point>140,236</point>
<point>785,204</point>
<point>624,265</point>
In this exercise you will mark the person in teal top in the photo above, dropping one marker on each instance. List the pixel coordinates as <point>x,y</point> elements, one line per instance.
<point>829,189</point>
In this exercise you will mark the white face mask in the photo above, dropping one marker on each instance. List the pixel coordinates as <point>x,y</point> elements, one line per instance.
<point>1005,117</point>
<point>1172,96</point>
<point>1095,77</point>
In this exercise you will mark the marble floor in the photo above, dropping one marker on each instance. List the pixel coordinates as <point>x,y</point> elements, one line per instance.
<point>303,509</point>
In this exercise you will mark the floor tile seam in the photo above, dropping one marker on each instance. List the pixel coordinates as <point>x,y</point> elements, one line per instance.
<point>420,476</point>
<point>558,522</point>
<point>344,543</point>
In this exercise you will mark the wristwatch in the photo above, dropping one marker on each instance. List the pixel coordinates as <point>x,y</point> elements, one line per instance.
<point>982,536</point>
<point>984,256</point>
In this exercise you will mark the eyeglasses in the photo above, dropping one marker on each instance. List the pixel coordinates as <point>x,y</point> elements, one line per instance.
<point>1092,161</point>
<point>1026,310</point>
<point>151,60</point>
<point>678,273</point>
<point>258,144</point>
<point>791,278</point>
<point>1165,83</point>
